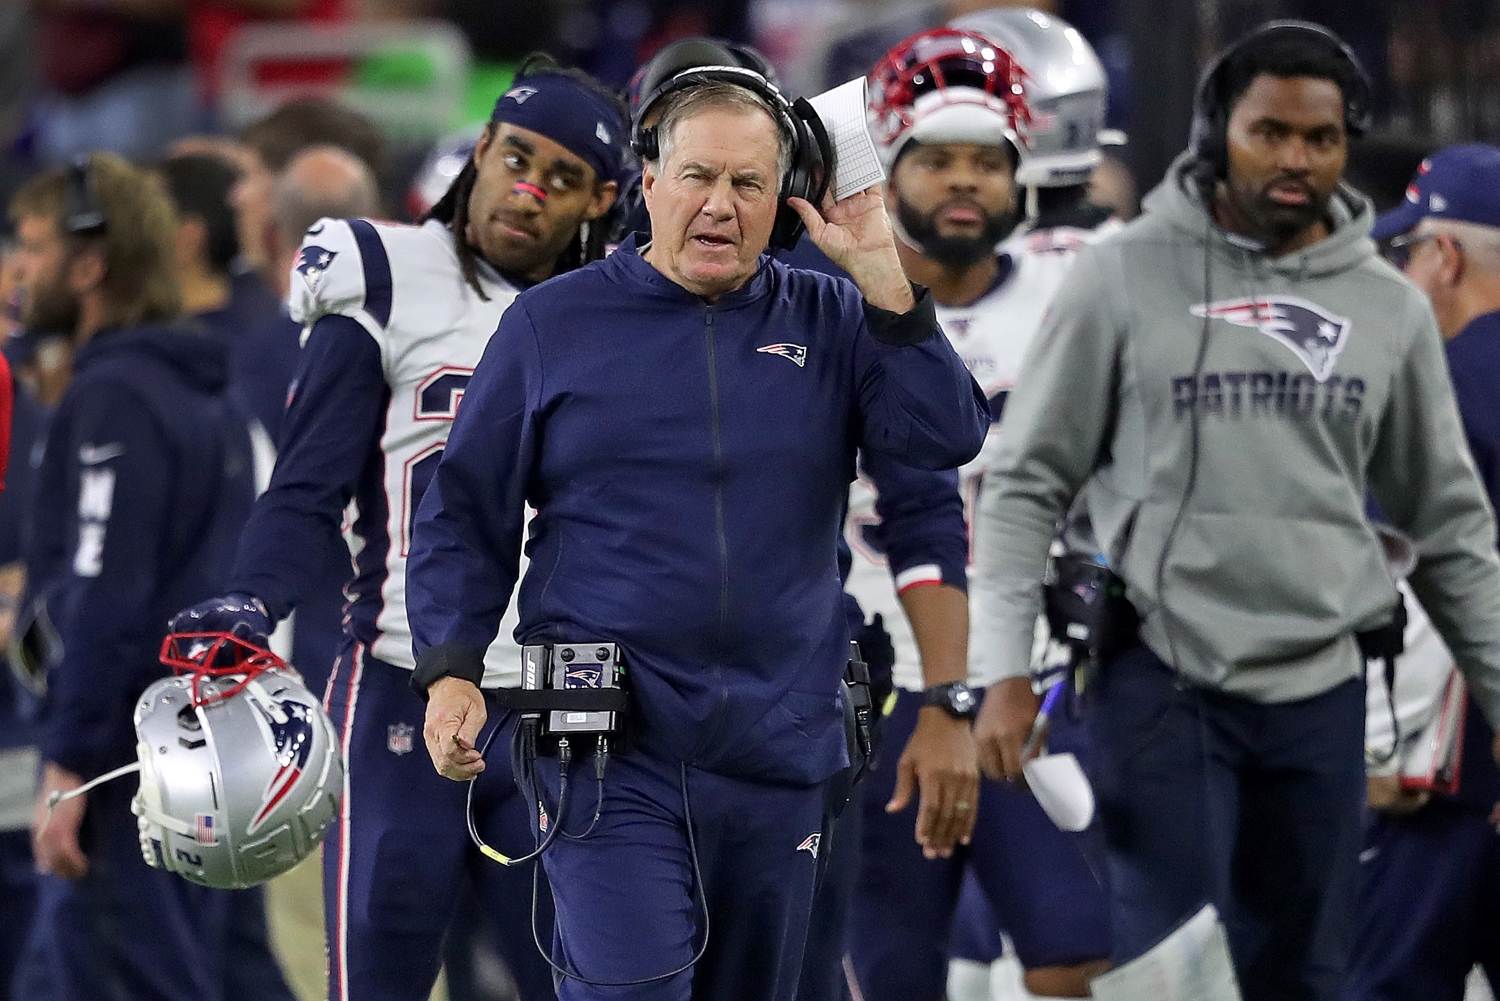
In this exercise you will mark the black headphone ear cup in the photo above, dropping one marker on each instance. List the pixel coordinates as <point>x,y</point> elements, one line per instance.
<point>644,142</point>
<point>810,173</point>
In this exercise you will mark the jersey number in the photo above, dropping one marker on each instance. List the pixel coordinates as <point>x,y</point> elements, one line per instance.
<point>437,399</point>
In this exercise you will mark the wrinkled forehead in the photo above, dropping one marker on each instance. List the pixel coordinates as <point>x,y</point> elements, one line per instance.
<point>728,136</point>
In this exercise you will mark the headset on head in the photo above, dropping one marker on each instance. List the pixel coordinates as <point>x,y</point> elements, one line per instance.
<point>1209,138</point>
<point>82,213</point>
<point>812,152</point>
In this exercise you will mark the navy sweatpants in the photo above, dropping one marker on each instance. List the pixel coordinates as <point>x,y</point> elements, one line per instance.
<point>393,864</point>
<point>1035,877</point>
<point>17,901</point>
<point>1429,905</point>
<point>1254,807</point>
<point>630,896</point>
<point>126,931</point>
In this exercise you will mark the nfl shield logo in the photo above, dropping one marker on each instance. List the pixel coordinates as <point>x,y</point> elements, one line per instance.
<point>398,738</point>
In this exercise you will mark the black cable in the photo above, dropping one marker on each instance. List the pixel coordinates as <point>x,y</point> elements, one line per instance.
<point>687,814</point>
<point>1179,684</point>
<point>601,762</point>
<point>564,759</point>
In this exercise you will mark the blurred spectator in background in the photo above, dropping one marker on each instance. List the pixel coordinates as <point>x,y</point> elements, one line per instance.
<point>1112,186</point>
<point>144,484</point>
<point>312,121</point>
<point>200,185</point>
<point>116,76</point>
<point>272,142</point>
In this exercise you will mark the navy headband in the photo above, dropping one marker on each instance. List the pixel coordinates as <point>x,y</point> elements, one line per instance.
<point>570,114</point>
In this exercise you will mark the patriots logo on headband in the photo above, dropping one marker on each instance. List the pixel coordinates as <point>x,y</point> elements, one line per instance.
<point>292,739</point>
<point>312,264</point>
<point>1313,334</point>
<point>602,133</point>
<point>520,94</point>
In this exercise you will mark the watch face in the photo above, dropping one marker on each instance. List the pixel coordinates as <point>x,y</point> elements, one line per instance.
<point>962,700</point>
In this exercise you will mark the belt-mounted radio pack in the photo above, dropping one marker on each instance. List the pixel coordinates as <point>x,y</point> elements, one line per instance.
<point>1087,610</point>
<point>571,690</point>
<point>572,696</point>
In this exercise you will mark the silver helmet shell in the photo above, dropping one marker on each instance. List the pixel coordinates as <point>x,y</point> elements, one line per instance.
<point>239,787</point>
<point>1065,86</point>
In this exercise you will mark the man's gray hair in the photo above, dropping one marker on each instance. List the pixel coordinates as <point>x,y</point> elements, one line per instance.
<point>322,181</point>
<point>1481,243</point>
<point>721,94</point>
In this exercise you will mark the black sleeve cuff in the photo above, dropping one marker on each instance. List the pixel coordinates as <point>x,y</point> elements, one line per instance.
<point>447,660</point>
<point>904,329</point>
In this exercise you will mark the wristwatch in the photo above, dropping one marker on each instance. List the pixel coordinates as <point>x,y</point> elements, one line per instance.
<point>954,697</point>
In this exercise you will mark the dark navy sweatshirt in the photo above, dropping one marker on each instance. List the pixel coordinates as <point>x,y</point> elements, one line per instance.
<point>690,465</point>
<point>1474,363</point>
<point>145,484</point>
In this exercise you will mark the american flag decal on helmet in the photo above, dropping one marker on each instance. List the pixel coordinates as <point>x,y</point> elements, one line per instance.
<point>1313,333</point>
<point>203,829</point>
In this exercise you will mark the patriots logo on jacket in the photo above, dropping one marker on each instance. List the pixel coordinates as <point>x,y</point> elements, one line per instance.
<point>292,738</point>
<point>1314,334</point>
<point>312,264</point>
<point>794,353</point>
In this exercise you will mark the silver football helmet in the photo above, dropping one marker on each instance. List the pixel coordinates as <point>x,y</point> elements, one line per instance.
<point>239,765</point>
<point>1065,87</point>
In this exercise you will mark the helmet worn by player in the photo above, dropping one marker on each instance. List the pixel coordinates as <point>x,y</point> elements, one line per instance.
<point>946,85</point>
<point>1066,89</point>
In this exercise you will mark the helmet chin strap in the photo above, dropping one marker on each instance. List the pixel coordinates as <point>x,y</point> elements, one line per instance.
<point>903,235</point>
<point>58,796</point>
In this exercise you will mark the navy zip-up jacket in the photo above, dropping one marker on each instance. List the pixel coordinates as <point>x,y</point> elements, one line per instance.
<point>1474,363</point>
<point>689,464</point>
<point>145,484</point>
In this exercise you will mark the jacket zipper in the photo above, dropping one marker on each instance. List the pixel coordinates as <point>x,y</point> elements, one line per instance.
<point>723,535</point>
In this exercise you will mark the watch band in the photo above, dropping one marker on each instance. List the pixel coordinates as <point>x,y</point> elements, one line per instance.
<point>953,697</point>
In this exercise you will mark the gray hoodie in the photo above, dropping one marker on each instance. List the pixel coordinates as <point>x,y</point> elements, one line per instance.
<point>1322,379</point>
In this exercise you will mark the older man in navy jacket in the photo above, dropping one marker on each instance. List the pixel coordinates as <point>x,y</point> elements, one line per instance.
<point>684,417</point>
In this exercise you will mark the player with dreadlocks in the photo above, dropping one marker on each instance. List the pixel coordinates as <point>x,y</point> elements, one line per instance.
<point>396,318</point>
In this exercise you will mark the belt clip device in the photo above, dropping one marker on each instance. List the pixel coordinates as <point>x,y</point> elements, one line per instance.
<point>584,681</point>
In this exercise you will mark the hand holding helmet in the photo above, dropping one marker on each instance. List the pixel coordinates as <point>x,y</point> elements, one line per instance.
<point>240,769</point>
<point>241,615</point>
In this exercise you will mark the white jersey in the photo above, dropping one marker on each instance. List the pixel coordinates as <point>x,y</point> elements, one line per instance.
<point>404,286</point>
<point>991,335</point>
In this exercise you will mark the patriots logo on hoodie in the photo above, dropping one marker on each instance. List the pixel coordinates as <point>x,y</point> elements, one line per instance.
<point>312,264</point>
<point>1314,334</point>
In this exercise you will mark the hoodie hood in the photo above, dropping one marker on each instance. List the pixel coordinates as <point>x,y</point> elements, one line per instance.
<point>1178,202</point>
<point>198,359</point>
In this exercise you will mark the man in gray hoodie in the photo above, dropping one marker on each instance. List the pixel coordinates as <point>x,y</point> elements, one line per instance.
<point>1218,388</point>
